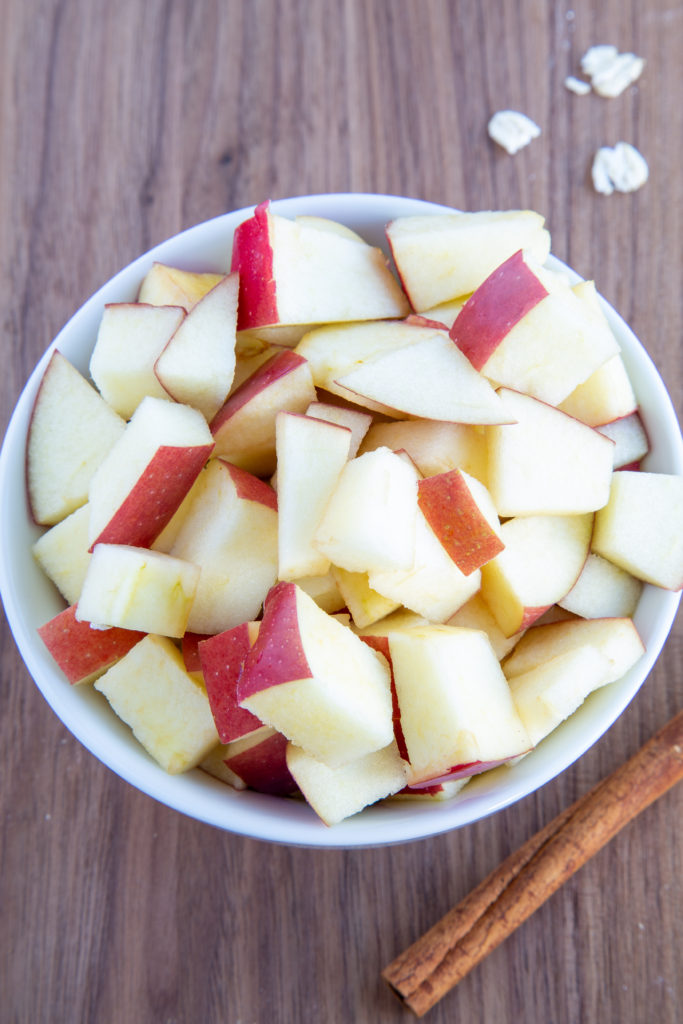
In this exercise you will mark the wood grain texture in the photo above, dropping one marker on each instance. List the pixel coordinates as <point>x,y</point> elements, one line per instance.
<point>120,125</point>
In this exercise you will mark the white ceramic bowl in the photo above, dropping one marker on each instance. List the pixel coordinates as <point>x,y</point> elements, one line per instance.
<point>30,600</point>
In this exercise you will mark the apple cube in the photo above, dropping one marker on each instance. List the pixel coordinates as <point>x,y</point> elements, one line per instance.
<point>148,472</point>
<point>546,462</point>
<point>71,432</point>
<point>222,658</point>
<point>324,591</point>
<point>365,604</point>
<point>63,553</point>
<point>454,701</point>
<point>358,422</point>
<point>603,590</point>
<point>462,516</point>
<point>541,562</point>
<point>605,396</point>
<point>135,588</point>
<point>434,446</point>
<point>369,522</point>
<point>244,428</point>
<point>338,793</point>
<point>639,529</point>
<point>475,614</point>
<point>629,438</point>
<point>166,708</point>
<point>197,365</point>
<point>171,286</point>
<point>260,763</point>
<point>230,533</point>
<point>130,338</point>
<point>311,454</point>
<point>84,652</point>
<point>312,679</point>
<point>295,273</point>
<point>443,256</point>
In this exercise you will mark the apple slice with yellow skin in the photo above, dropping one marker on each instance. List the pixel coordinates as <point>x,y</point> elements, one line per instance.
<point>312,679</point>
<point>433,445</point>
<point>71,432</point>
<point>222,658</point>
<point>526,329</point>
<point>460,512</point>
<point>166,707</point>
<point>639,528</point>
<point>443,256</point>
<point>295,273</point>
<point>144,478</point>
<point>311,454</point>
<point>171,286</point>
<point>197,365</point>
<point>135,588</point>
<point>447,721</point>
<point>230,533</point>
<point>338,793</point>
<point>83,653</point>
<point>244,428</point>
<point>546,462</point>
<point>542,560</point>
<point>130,338</point>
<point>63,553</point>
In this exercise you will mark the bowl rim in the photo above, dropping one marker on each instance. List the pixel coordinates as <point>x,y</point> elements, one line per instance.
<point>291,822</point>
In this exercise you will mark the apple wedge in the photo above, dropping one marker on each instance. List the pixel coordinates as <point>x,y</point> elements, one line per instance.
<point>166,707</point>
<point>603,590</point>
<point>259,761</point>
<point>365,605</point>
<point>244,428</point>
<point>197,365</point>
<point>311,454</point>
<point>315,681</point>
<point>230,533</point>
<point>82,652</point>
<point>130,338</point>
<point>324,591</point>
<point>605,396</point>
<point>460,512</point>
<point>71,432</point>
<point>434,446</point>
<point>443,256</point>
<point>358,422</point>
<point>171,286</point>
<point>475,614</point>
<point>144,478</point>
<point>296,273</point>
<point>63,553</point>
<point>222,658</point>
<point>629,438</point>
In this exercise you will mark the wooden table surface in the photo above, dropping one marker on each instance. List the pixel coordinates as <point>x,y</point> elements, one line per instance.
<point>123,123</point>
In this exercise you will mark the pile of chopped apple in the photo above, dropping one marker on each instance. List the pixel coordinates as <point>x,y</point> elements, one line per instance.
<point>324,533</point>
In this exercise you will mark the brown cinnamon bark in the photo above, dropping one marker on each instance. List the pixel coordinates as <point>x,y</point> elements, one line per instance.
<point>429,968</point>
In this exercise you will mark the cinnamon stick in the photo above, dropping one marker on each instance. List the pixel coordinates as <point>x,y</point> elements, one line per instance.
<point>434,964</point>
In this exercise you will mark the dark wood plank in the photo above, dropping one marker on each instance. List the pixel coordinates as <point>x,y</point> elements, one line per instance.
<point>124,123</point>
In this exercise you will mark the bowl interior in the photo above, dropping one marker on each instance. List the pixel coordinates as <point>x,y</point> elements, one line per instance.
<point>30,599</point>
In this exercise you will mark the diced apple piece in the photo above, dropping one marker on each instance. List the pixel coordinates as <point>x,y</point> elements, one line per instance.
<point>616,639</point>
<point>324,591</point>
<point>443,256</point>
<point>168,536</point>
<point>454,701</point>
<point>369,522</point>
<point>261,763</point>
<point>402,618</point>
<point>222,658</point>
<point>170,286</point>
<point>244,428</point>
<point>197,365</point>
<point>83,652</point>
<point>546,462</point>
<point>357,422</point>
<point>365,604</point>
<point>214,764</point>
<point>606,395</point>
<point>639,529</point>
<point>434,446</point>
<point>313,680</point>
<point>443,314</point>
<point>165,707</point>
<point>294,273</point>
<point>135,588</point>
<point>338,793</point>
<point>230,532</point>
<point>130,338</point>
<point>311,454</point>
<point>429,378</point>
<point>463,518</point>
<point>71,432</point>
<point>435,791</point>
<point>63,553</point>
<point>542,560</point>
<point>476,615</point>
<point>525,328</point>
<point>603,590</point>
<point>630,440</point>
<point>148,472</point>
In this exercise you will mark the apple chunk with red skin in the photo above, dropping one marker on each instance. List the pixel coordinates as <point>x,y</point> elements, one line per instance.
<point>222,658</point>
<point>148,472</point>
<point>71,432</point>
<point>82,652</point>
<point>296,273</point>
<point>312,679</point>
<point>260,763</point>
<point>460,512</point>
<point>244,428</point>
